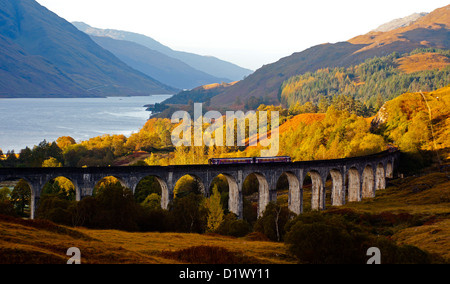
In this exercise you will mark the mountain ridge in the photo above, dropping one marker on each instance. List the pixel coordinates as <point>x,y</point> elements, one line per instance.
<point>168,70</point>
<point>399,23</point>
<point>207,64</point>
<point>44,55</point>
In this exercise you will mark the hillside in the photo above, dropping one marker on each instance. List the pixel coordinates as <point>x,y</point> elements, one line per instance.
<point>200,94</point>
<point>430,31</point>
<point>42,242</point>
<point>44,55</point>
<point>376,80</point>
<point>207,64</point>
<point>422,61</point>
<point>418,123</point>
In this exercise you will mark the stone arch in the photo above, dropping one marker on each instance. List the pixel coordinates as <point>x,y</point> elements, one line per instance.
<point>380,180</point>
<point>76,188</point>
<point>263,192</point>
<point>164,190</point>
<point>105,178</point>
<point>197,179</point>
<point>354,185</point>
<point>35,191</point>
<point>337,190</point>
<point>368,182</point>
<point>234,199</point>
<point>295,195</point>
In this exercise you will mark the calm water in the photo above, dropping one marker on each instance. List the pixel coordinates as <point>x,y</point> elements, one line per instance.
<point>26,122</point>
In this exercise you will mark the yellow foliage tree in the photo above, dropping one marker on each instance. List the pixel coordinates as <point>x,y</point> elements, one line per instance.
<point>215,210</point>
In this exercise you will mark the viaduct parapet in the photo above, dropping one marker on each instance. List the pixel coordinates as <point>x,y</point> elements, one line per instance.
<point>352,180</point>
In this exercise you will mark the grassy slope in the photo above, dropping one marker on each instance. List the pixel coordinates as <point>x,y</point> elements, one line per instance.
<point>43,242</point>
<point>423,61</point>
<point>426,197</point>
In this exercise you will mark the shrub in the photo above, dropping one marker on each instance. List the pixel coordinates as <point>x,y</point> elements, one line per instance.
<point>273,221</point>
<point>321,243</point>
<point>231,226</point>
<point>7,208</point>
<point>332,239</point>
<point>187,214</point>
<point>55,208</point>
<point>153,220</point>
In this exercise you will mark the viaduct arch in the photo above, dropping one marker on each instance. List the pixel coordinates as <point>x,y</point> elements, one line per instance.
<point>353,179</point>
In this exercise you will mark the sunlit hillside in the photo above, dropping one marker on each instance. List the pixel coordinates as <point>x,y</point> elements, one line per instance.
<point>418,122</point>
<point>423,61</point>
<point>373,82</point>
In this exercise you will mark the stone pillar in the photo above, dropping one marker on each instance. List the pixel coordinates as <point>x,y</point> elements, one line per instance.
<point>87,185</point>
<point>295,193</point>
<point>368,183</point>
<point>235,196</point>
<point>167,189</point>
<point>354,186</point>
<point>264,194</point>
<point>34,202</point>
<point>36,188</point>
<point>337,192</point>
<point>317,200</point>
<point>380,179</point>
<point>389,170</point>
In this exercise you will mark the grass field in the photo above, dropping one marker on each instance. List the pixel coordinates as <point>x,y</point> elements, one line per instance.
<point>426,199</point>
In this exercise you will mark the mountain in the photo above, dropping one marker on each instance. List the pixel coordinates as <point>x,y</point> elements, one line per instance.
<point>155,64</point>
<point>199,94</point>
<point>428,31</point>
<point>44,55</point>
<point>207,64</point>
<point>399,23</point>
<point>418,123</point>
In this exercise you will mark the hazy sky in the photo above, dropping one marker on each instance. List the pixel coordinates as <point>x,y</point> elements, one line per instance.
<point>250,33</point>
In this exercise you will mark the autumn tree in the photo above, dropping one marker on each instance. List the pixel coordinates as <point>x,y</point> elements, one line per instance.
<point>65,141</point>
<point>51,163</point>
<point>215,210</point>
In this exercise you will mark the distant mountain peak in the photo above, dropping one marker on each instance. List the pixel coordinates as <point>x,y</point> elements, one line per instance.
<point>400,23</point>
<point>207,64</point>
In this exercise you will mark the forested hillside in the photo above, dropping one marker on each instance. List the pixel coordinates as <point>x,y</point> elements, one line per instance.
<point>373,82</point>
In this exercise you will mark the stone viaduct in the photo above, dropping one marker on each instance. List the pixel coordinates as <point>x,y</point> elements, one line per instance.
<point>352,179</point>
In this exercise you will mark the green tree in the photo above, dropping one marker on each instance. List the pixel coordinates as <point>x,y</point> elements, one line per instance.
<point>272,223</point>
<point>21,196</point>
<point>188,215</point>
<point>61,187</point>
<point>4,194</point>
<point>153,201</point>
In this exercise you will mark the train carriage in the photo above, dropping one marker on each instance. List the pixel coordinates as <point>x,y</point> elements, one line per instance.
<point>259,160</point>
